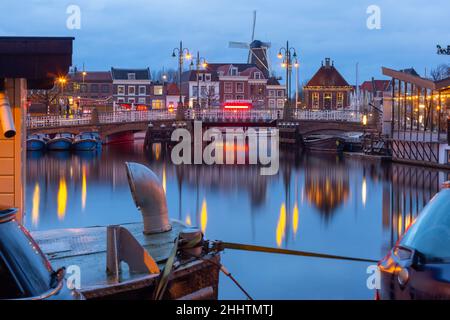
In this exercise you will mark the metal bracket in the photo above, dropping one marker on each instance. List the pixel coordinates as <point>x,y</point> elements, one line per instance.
<point>121,245</point>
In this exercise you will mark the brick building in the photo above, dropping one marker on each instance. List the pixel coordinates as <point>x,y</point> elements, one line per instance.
<point>132,86</point>
<point>327,89</point>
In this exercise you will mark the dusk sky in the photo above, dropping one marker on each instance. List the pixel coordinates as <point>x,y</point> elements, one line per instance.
<point>142,33</point>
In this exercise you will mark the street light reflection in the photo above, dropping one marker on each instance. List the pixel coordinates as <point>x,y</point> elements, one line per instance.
<point>281,227</point>
<point>62,198</point>
<point>36,203</point>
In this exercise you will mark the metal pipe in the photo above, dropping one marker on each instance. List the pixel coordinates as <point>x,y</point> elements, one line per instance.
<point>6,118</point>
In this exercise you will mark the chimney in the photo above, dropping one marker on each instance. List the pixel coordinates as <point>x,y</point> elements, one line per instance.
<point>327,62</point>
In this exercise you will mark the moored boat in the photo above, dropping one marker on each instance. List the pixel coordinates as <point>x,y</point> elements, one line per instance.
<point>324,143</point>
<point>36,142</point>
<point>61,142</point>
<point>85,141</point>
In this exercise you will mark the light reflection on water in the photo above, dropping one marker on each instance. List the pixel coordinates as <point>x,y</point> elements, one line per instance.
<point>319,203</point>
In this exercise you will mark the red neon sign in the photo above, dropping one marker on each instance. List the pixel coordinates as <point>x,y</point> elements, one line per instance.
<point>237,105</point>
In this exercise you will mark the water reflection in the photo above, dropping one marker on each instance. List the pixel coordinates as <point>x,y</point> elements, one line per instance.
<point>323,203</point>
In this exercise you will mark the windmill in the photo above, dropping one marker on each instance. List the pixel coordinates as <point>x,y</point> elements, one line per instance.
<point>257,50</point>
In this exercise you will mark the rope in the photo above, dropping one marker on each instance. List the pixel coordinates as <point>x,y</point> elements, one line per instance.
<point>247,247</point>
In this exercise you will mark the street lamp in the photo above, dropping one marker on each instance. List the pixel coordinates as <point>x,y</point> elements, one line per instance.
<point>289,56</point>
<point>198,61</point>
<point>62,81</point>
<point>182,53</point>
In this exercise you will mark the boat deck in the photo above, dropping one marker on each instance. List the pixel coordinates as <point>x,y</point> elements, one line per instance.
<point>86,248</point>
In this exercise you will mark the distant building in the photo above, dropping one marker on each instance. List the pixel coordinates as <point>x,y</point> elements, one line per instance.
<point>90,85</point>
<point>172,94</point>
<point>132,86</point>
<point>209,88</point>
<point>327,89</point>
<point>372,91</point>
<point>275,94</point>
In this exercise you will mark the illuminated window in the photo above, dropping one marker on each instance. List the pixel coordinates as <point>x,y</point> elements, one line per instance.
<point>315,100</point>
<point>121,90</point>
<point>157,104</point>
<point>228,87</point>
<point>158,90</point>
<point>340,100</point>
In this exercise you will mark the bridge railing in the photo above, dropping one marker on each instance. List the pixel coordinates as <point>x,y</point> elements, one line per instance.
<point>232,115</point>
<point>329,115</point>
<point>134,116</point>
<point>52,121</point>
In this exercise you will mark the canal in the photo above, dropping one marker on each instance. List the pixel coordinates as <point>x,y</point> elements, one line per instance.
<point>328,204</point>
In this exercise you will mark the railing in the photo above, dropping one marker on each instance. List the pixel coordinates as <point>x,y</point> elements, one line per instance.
<point>266,115</point>
<point>54,121</point>
<point>234,116</point>
<point>329,115</point>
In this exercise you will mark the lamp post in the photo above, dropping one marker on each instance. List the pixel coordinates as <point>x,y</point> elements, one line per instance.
<point>182,53</point>
<point>289,56</point>
<point>62,81</point>
<point>198,61</point>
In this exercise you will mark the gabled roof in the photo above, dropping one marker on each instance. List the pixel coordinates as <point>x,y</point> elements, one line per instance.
<point>122,74</point>
<point>226,66</point>
<point>191,75</point>
<point>327,76</point>
<point>172,89</point>
<point>272,81</point>
<point>91,76</point>
<point>380,85</point>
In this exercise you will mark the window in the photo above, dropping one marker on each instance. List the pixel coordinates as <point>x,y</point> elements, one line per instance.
<point>340,100</point>
<point>132,76</point>
<point>228,97</point>
<point>157,104</point>
<point>212,90</point>
<point>158,90</point>
<point>121,90</point>
<point>280,103</point>
<point>120,100</point>
<point>203,90</point>
<point>94,88</point>
<point>131,100</point>
<point>228,87</point>
<point>83,88</point>
<point>239,87</point>
<point>142,90</point>
<point>131,90</point>
<point>141,100</point>
<point>281,93</point>
<point>271,103</point>
<point>315,100</point>
<point>194,90</point>
<point>257,75</point>
<point>271,93</point>
<point>239,97</point>
<point>207,77</point>
<point>105,88</point>
<point>200,77</point>
<point>233,71</point>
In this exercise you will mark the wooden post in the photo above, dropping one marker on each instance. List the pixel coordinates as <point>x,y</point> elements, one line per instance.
<point>13,150</point>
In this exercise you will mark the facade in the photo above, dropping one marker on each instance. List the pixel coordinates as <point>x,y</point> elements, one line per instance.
<point>209,88</point>
<point>327,89</point>
<point>90,85</point>
<point>275,94</point>
<point>172,95</point>
<point>372,91</point>
<point>132,86</point>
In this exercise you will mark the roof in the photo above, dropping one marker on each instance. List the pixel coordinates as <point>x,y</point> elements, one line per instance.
<point>443,84</point>
<point>92,76</point>
<point>327,76</point>
<point>272,81</point>
<point>191,75</point>
<point>172,89</point>
<point>380,85</point>
<point>241,66</point>
<point>122,74</point>
<point>410,71</point>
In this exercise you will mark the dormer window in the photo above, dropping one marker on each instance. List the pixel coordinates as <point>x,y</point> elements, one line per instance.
<point>200,77</point>
<point>207,77</point>
<point>233,71</point>
<point>257,75</point>
<point>132,76</point>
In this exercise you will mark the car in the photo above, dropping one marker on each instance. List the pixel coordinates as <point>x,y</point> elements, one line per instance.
<point>418,267</point>
<point>25,272</point>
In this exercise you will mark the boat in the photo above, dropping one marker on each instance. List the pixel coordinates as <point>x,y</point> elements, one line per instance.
<point>36,142</point>
<point>93,256</point>
<point>85,141</point>
<point>61,142</point>
<point>353,141</point>
<point>324,143</point>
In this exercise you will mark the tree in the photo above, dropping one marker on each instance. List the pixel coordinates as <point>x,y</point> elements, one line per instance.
<point>48,98</point>
<point>442,71</point>
<point>211,97</point>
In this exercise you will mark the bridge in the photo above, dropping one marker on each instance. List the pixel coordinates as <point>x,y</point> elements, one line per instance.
<point>113,125</point>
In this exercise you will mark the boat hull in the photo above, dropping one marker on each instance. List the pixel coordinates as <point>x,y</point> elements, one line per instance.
<point>35,145</point>
<point>85,145</point>
<point>328,144</point>
<point>59,144</point>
